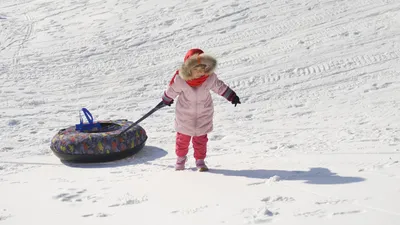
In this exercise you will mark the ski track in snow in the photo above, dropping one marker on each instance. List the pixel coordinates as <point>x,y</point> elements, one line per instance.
<point>315,140</point>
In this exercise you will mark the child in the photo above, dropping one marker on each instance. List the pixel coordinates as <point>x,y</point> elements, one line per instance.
<point>194,108</point>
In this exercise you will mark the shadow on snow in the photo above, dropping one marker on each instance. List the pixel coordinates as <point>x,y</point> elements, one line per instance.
<point>312,176</point>
<point>147,154</point>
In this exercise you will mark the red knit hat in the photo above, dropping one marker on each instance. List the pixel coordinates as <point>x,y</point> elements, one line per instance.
<point>191,52</point>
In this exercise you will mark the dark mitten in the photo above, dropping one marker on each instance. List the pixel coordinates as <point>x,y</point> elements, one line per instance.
<point>235,100</point>
<point>168,103</point>
<point>231,96</point>
<point>167,100</point>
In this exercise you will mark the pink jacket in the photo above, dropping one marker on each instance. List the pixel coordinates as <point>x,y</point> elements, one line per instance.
<point>194,107</point>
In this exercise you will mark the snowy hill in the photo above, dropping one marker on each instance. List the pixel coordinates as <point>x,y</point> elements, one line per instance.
<point>315,141</point>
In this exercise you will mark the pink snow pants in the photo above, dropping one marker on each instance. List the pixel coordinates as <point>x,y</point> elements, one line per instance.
<point>199,145</point>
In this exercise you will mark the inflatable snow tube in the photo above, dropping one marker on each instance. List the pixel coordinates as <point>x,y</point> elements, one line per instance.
<point>99,145</point>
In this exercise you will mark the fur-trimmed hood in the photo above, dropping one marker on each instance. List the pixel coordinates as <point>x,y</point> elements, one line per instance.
<point>194,60</point>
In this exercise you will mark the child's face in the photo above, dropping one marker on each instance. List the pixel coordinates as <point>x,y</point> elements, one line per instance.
<point>198,71</point>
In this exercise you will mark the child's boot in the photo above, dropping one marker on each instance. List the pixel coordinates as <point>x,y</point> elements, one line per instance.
<point>201,165</point>
<point>180,163</point>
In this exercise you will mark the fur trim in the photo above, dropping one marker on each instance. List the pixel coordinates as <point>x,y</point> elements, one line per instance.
<point>209,61</point>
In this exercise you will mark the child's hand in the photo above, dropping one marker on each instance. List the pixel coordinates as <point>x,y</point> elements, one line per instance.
<point>168,103</point>
<point>235,100</point>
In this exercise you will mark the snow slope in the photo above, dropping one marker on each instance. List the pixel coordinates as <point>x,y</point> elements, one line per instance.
<point>315,141</point>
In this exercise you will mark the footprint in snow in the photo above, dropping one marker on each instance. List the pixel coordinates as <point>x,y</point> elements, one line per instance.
<point>13,122</point>
<point>300,114</point>
<point>331,202</point>
<point>133,201</point>
<point>249,116</point>
<point>98,215</point>
<point>316,213</point>
<point>217,137</point>
<point>68,197</point>
<point>72,196</point>
<point>296,106</point>
<point>346,213</point>
<point>259,215</point>
<point>376,87</point>
<point>277,199</point>
<point>6,149</point>
<point>168,22</point>
<point>191,210</point>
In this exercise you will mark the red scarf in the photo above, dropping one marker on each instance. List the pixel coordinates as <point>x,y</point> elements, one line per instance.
<point>198,81</point>
<point>193,83</point>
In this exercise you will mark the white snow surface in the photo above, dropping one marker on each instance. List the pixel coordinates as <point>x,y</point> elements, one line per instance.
<point>315,141</point>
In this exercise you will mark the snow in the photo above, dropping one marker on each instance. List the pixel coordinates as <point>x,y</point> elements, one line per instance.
<point>316,139</point>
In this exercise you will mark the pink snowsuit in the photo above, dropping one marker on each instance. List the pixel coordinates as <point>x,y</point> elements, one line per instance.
<point>194,110</point>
